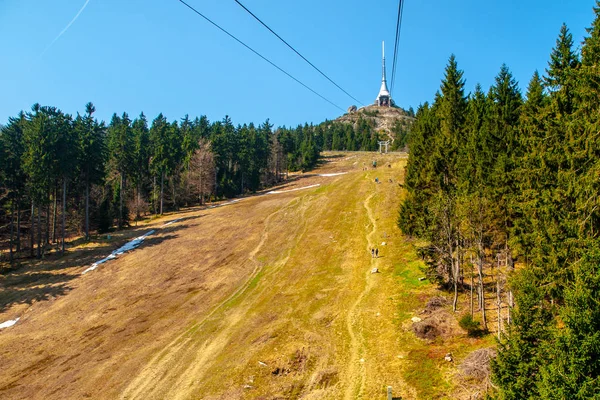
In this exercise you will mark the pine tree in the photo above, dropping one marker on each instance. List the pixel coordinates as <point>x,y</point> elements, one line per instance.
<point>141,158</point>
<point>121,148</point>
<point>12,176</point>
<point>572,366</point>
<point>520,352</point>
<point>92,155</point>
<point>160,152</point>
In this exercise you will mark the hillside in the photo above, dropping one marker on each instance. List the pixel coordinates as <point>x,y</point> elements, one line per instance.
<point>383,118</point>
<point>268,297</point>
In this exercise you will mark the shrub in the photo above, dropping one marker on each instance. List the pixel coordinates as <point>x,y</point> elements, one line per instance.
<point>470,325</point>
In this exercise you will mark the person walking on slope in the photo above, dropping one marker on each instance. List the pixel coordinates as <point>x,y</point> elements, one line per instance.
<point>372,253</point>
<point>376,253</point>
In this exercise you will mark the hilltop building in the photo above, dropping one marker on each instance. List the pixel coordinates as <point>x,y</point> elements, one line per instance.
<point>384,99</point>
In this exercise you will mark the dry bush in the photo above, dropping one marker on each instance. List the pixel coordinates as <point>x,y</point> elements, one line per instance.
<point>439,323</point>
<point>477,364</point>
<point>435,303</point>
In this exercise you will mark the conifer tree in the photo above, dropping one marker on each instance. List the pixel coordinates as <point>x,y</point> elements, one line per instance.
<point>159,135</point>
<point>121,145</point>
<point>92,155</point>
<point>12,176</point>
<point>571,369</point>
<point>141,158</point>
<point>563,63</point>
<point>520,353</point>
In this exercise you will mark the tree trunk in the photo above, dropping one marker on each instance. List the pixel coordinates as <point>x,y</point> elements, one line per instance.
<point>481,286</point>
<point>39,231</point>
<point>12,231</point>
<point>47,238</point>
<point>64,212</point>
<point>201,175</point>
<point>154,193</point>
<point>120,221</point>
<point>162,184</point>
<point>510,266</point>
<point>19,225</point>
<point>139,202</point>
<point>499,302</point>
<point>32,230</point>
<point>456,274</point>
<point>87,210</point>
<point>54,215</point>
<point>174,193</point>
<point>472,284</point>
<point>215,189</point>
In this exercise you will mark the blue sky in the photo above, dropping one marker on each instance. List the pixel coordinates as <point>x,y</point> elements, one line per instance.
<point>157,56</point>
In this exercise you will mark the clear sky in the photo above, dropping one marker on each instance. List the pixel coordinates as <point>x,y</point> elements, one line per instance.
<point>157,56</point>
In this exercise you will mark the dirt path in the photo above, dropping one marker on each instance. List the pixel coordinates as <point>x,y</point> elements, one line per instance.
<point>357,371</point>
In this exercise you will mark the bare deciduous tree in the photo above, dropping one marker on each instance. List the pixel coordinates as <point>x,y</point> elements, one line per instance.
<point>202,169</point>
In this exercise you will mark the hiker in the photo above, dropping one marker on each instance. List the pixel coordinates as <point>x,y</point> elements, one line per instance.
<point>376,253</point>
<point>372,253</point>
<point>374,164</point>
<point>376,180</point>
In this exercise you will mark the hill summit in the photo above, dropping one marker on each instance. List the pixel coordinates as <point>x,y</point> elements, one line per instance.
<point>384,119</point>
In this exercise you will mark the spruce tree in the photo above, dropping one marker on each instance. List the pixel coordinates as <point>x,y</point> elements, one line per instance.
<point>92,155</point>
<point>571,369</point>
<point>121,146</point>
<point>520,356</point>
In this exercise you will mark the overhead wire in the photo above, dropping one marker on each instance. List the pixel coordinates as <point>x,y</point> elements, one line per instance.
<point>397,42</point>
<point>259,55</point>
<point>297,52</point>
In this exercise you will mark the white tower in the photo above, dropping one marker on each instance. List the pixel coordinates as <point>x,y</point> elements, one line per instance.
<point>384,99</point>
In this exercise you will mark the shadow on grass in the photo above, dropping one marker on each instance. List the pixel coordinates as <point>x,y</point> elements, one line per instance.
<point>50,277</point>
<point>29,288</point>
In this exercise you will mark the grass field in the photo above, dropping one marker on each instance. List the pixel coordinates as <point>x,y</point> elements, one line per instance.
<point>271,297</point>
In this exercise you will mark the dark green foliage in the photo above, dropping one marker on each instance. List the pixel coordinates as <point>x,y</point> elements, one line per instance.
<point>520,356</point>
<point>515,184</point>
<point>108,172</point>
<point>571,367</point>
<point>472,327</point>
<point>103,216</point>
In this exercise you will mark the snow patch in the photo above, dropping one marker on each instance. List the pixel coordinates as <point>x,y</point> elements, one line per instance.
<point>10,323</point>
<point>335,174</point>
<point>226,204</point>
<point>125,248</point>
<point>292,190</point>
<point>172,222</point>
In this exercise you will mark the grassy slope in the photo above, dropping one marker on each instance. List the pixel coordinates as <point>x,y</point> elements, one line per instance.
<point>269,298</point>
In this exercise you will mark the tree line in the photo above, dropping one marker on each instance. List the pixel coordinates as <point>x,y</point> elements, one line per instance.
<point>62,175</point>
<point>502,189</point>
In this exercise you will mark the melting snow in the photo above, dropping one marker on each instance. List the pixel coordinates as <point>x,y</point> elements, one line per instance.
<point>226,204</point>
<point>335,174</point>
<point>292,190</point>
<point>172,222</point>
<point>127,247</point>
<point>8,324</point>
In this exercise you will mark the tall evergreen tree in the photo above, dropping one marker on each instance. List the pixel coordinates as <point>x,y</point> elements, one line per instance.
<point>121,145</point>
<point>92,155</point>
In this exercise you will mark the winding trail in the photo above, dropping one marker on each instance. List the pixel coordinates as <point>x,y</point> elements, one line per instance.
<point>357,372</point>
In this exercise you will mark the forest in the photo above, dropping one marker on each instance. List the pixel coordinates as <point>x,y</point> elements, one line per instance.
<point>62,176</point>
<point>503,202</point>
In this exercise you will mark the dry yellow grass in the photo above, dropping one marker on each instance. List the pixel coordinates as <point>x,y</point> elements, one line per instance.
<point>268,298</point>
